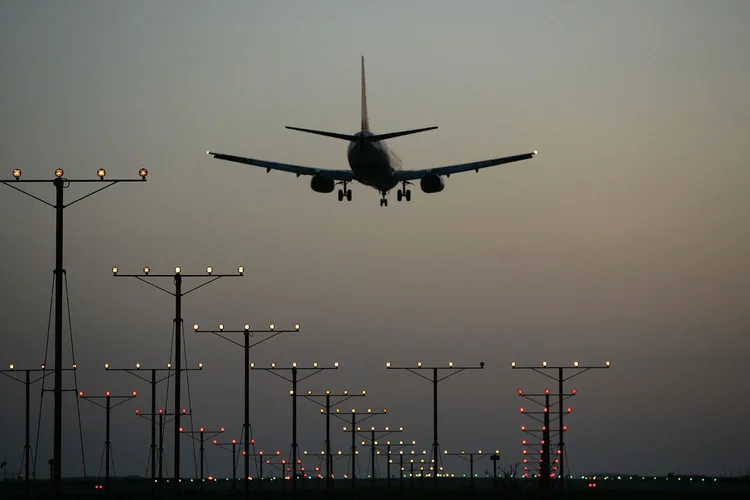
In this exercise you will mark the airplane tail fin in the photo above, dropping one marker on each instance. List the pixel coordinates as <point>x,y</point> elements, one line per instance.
<point>365,119</point>
<point>365,124</point>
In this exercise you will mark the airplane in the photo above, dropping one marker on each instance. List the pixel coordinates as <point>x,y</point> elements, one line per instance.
<point>372,163</point>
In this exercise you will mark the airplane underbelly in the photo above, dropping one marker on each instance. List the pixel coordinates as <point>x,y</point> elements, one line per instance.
<point>370,165</point>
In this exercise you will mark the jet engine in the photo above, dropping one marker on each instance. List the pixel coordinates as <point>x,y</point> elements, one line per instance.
<point>321,184</point>
<point>432,183</point>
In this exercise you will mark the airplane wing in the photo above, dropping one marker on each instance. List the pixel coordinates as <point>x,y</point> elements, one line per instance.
<point>409,175</point>
<point>337,175</point>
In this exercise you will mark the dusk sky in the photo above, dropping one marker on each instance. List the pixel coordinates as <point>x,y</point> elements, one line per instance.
<point>626,239</point>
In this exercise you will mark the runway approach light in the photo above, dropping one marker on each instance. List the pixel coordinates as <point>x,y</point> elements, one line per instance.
<point>296,326</point>
<point>241,269</point>
<point>177,270</point>
<point>146,270</point>
<point>607,363</point>
<point>101,173</point>
<point>209,270</point>
<point>115,269</point>
<point>143,173</point>
<point>59,172</point>
<point>17,173</point>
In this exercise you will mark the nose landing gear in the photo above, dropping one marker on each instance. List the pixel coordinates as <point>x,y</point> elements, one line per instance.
<point>383,199</point>
<point>345,193</point>
<point>404,193</point>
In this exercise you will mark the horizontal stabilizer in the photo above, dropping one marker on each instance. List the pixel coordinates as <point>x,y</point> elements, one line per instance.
<point>327,134</point>
<point>354,138</point>
<point>391,135</point>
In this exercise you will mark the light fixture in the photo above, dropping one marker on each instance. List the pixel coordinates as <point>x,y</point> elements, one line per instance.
<point>138,366</point>
<point>575,363</point>
<point>12,367</point>
<point>607,363</point>
<point>271,326</point>
<point>59,172</point>
<point>17,173</point>
<point>75,366</point>
<point>450,364</point>
<point>419,363</point>
<point>315,364</point>
<point>336,364</point>
<point>209,270</point>
<point>115,269</point>
<point>143,173</point>
<point>106,366</point>
<point>221,327</point>
<point>169,365</point>
<point>101,173</point>
<point>177,270</point>
<point>544,363</point>
<point>196,327</point>
<point>200,366</point>
<point>146,270</point>
<point>241,269</point>
<point>387,364</point>
<point>296,326</point>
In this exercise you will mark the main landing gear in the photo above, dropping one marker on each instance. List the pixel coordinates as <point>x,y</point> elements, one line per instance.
<point>404,193</point>
<point>345,193</point>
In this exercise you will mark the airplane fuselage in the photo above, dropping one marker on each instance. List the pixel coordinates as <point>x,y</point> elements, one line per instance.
<point>373,163</point>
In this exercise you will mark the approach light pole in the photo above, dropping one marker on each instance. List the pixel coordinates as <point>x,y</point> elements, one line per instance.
<point>310,396</point>
<point>560,379</point>
<point>544,435</point>
<point>154,380</point>
<point>108,406</point>
<point>389,448</point>
<point>178,293</point>
<point>161,413</point>
<point>60,183</point>
<point>202,439</point>
<point>354,429</point>
<point>374,435</point>
<point>248,333</point>
<point>435,379</point>
<point>28,381</point>
<point>470,457</point>
<point>315,369</point>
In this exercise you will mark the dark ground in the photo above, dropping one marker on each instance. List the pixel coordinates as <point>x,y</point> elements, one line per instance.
<point>483,488</point>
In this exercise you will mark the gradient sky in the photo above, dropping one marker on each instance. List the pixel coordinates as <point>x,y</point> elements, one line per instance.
<point>627,238</point>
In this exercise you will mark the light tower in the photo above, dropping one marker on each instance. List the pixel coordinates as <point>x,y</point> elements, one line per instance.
<point>454,370</point>
<point>577,369</point>
<point>294,369</point>
<point>60,182</point>
<point>178,293</point>
<point>247,333</point>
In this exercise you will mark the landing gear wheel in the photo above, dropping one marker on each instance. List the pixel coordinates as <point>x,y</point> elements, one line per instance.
<point>348,195</point>
<point>341,195</point>
<point>399,195</point>
<point>404,193</point>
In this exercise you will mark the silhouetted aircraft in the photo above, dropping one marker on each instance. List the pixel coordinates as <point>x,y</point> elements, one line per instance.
<point>372,163</point>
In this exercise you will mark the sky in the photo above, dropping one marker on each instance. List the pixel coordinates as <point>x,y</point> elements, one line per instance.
<point>626,239</point>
